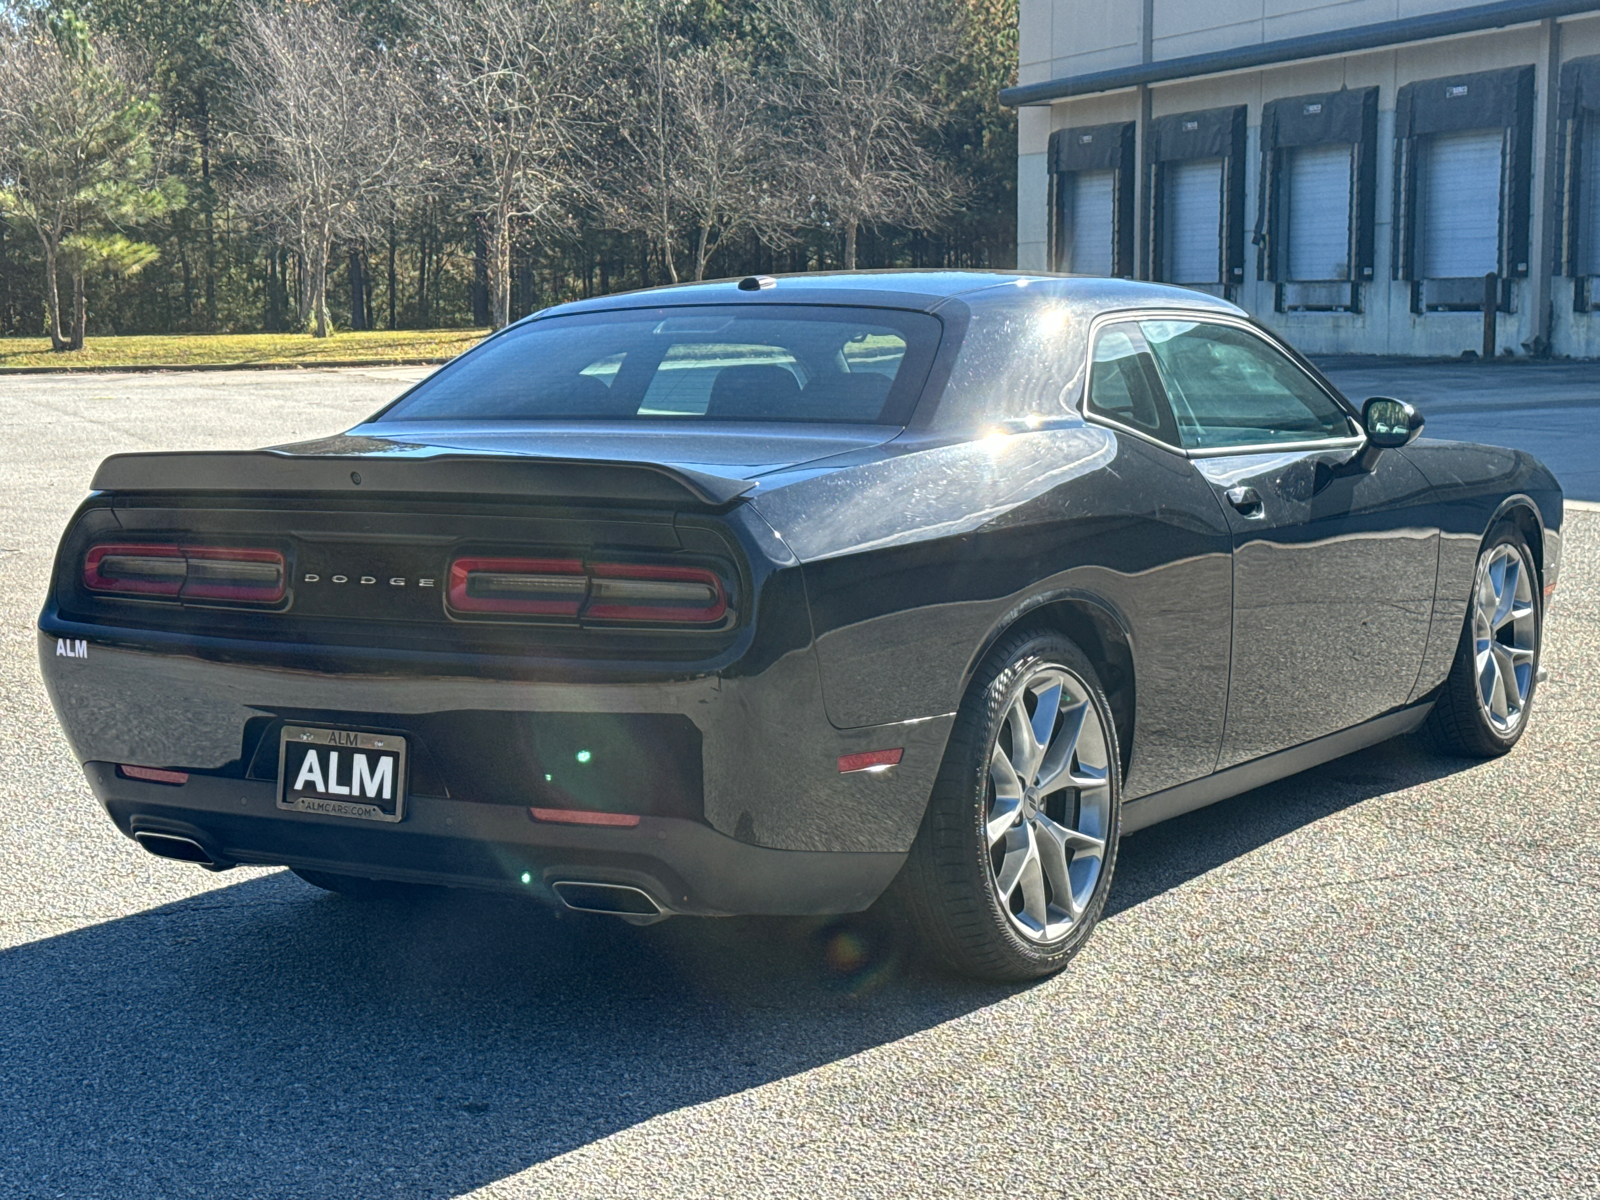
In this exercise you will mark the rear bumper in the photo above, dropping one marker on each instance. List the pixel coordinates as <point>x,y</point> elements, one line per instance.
<point>685,867</point>
<point>775,828</point>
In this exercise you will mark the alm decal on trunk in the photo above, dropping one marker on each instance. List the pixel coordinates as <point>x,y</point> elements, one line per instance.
<point>72,648</point>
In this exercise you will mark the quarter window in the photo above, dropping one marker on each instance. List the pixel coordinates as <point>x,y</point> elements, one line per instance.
<point>1124,386</point>
<point>1230,388</point>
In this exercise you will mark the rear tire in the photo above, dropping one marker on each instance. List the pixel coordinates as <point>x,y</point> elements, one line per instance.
<point>1010,869</point>
<point>1485,703</point>
<point>353,886</point>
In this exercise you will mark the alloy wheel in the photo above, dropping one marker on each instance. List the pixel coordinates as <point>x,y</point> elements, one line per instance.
<point>1048,809</point>
<point>1505,632</point>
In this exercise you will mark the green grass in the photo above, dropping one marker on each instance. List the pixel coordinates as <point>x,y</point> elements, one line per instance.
<point>196,350</point>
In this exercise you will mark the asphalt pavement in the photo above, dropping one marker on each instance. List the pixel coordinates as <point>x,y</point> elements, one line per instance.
<point>1376,979</point>
<point>1550,409</point>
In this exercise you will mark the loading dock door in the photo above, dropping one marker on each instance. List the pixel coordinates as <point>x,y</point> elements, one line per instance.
<point>1194,221</point>
<point>1319,187</point>
<point>1460,204</point>
<point>1589,200</point>
<point>1093,224</point>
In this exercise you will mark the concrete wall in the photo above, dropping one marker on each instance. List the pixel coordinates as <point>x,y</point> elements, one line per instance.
<point>1062,37</point>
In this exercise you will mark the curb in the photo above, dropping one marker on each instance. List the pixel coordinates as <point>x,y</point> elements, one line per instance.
<point>149,369</point>
<point>1581,505</point>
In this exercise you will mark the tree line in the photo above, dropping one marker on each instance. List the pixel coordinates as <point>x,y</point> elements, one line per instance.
<point>238,165</point>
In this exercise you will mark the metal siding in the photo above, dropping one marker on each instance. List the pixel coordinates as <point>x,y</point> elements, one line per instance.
<point>1194,221</point>
<point>1460,204</point>
<point>1318,183</point>
<point>1093,226</point>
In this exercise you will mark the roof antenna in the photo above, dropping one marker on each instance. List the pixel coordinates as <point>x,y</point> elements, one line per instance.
<point>757,283</point>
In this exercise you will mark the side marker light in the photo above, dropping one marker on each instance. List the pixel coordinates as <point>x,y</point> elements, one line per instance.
<point>869,760</point>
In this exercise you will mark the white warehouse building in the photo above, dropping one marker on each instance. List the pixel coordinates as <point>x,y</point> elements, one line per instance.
<point>1349,171</point>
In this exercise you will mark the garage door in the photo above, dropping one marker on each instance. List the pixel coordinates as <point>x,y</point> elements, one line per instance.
<point>1193,230</point>
<point>1460,204</point>
<point>1589,200</point>
<point>1093,195</point>
<point>1319,180</point>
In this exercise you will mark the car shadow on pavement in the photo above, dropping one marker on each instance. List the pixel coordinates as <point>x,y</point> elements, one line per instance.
<point>265,1039</point>
<point>1158,859</point>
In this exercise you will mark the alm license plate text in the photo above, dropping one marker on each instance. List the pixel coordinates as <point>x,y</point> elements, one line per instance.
<point>342,773</point>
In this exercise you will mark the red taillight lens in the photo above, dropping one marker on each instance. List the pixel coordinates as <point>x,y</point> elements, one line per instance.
<point>635,593</point>
<point>539,587</point>
<point>187,572</point>
<point>638,592</point>
<point>135,570</point>
<point>253,575</point>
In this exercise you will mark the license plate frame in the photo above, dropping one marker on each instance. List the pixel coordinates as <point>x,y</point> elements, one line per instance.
<point>296,743</point>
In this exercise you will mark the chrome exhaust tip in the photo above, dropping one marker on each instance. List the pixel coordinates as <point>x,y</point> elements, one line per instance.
<point>610,899</point>
<point>179,848</point>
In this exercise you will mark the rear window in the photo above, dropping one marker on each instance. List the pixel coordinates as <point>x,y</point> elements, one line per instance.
<point>770,363</point>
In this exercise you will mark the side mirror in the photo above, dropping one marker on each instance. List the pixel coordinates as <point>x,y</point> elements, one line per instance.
<point>1389,424</point>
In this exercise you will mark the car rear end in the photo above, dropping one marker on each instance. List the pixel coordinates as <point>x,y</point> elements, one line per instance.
<point>430,657</point>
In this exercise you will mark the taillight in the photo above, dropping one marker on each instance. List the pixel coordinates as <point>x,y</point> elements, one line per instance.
<point>632,593</point>
<point>682,595</point>
<point>186,572</point>
<point>135,570</point>
<point>539,587</point>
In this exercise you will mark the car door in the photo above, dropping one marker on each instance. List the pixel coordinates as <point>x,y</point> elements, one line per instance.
<point>1334,564</point>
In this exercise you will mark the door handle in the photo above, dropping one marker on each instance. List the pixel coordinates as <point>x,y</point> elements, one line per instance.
<point>1246,500</point>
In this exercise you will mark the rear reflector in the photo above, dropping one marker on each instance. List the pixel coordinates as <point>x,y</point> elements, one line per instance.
<point>637,593</point>
<point>870,760</point>
<point>578,816</point>
<point>153,775</point>
<point>186,572</point>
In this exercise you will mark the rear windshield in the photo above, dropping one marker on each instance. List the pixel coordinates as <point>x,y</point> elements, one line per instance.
<point>768,363</point>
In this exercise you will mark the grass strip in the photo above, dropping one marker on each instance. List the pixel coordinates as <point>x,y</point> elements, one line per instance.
<point>178,351</point>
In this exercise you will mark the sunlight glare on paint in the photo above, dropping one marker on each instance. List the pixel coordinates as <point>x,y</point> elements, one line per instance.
<point>583,756</point>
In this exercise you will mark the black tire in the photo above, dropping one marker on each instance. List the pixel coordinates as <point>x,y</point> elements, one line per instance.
<point>353,886</point>
<point>948,887</point>
<point>1459,724</point>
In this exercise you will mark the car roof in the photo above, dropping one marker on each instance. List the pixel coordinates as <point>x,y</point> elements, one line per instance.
<point>925,290</point>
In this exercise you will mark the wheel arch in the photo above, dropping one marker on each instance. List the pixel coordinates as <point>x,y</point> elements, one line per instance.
<point>1100,631</point>
<point>1520,510</point>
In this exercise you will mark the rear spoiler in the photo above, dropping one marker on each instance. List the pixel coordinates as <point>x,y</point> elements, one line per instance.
<point>413,471</point>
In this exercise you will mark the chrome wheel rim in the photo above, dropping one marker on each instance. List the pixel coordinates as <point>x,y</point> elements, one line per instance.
<point>1047,813</point>
<point>1505,633</point>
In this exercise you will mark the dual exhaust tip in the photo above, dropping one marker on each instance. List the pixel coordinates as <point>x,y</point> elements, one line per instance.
<point>632,904</point>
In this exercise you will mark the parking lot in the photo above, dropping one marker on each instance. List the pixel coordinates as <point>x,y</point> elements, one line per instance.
<point>1376,979</point>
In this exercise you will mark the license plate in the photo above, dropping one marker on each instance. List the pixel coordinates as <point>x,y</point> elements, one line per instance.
<point>342,773</point>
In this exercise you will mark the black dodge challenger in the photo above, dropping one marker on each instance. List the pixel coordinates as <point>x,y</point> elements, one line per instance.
<point>776,596</point>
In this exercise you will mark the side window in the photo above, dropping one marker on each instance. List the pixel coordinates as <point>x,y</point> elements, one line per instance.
<point>1124,385</point>
<point>1231,388</point>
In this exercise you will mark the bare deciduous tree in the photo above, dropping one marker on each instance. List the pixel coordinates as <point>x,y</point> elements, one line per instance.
<point>512,78</point>
<point>76,161</point>
<point>330,121</point>
<point>860,76</point>
<point>700,152</point>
